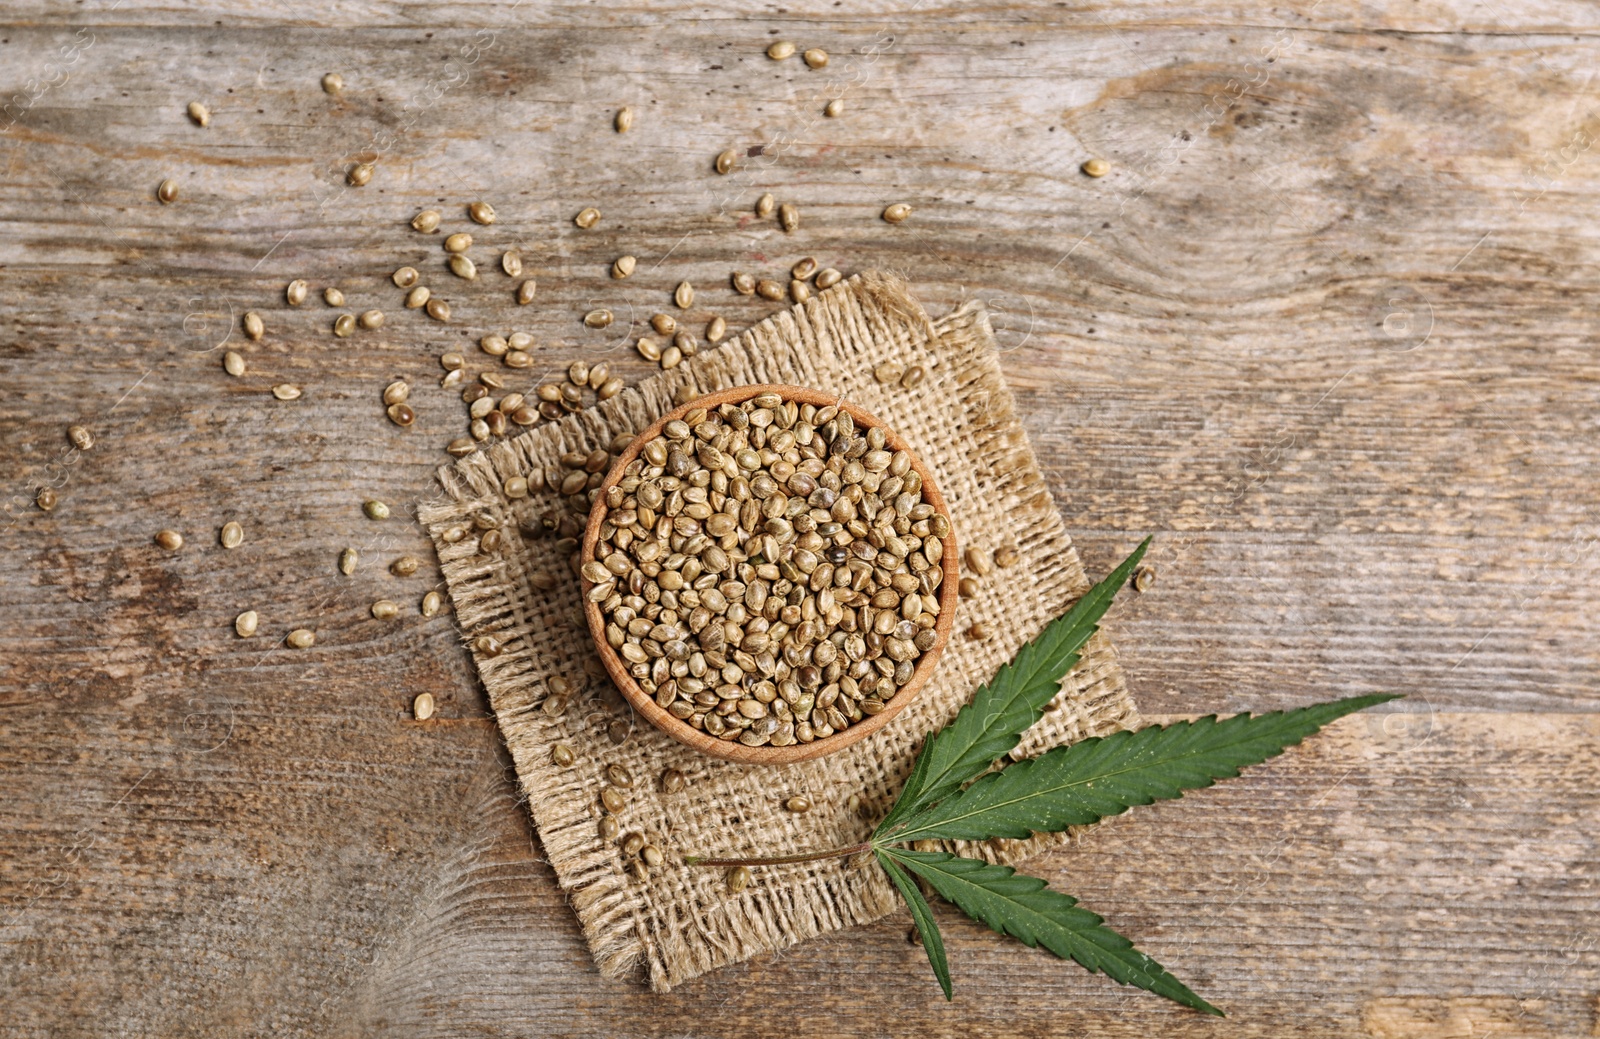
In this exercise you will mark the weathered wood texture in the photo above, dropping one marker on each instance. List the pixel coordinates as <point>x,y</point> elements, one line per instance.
<point>1326,330</point>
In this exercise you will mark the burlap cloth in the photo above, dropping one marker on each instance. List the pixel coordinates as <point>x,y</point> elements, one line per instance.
<point>679,921</point>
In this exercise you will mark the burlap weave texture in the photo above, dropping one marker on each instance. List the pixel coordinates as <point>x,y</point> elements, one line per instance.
<point>678,922</point>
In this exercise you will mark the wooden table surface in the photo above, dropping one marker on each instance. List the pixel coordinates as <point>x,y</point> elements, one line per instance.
<point>1327,330</point>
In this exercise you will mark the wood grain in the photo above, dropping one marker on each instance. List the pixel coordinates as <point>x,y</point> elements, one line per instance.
<point>1325,330</point>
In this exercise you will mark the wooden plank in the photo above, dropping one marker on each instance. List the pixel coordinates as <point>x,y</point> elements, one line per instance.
<point>1324,330</point>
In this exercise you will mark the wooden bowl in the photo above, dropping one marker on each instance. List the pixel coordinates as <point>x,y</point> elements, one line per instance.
<point>733,750</point>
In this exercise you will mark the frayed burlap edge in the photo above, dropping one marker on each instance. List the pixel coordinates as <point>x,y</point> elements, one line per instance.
<point>678,922</point>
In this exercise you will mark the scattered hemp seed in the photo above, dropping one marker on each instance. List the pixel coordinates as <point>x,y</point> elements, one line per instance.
<point>833,108</point>
<point>799,291</point>
<point>683,295</point>
<point>347,561</point>
<point>561,755</point>
<point>481,213</point>
<point>80,436</point>
<point>430,604</point>
<point>671,357</point>
<point>633,843</point>
<point>518,359</point>
<point>648,348</point>
<point>624,119</point>
<point>716,328</point>
<point>488,645</point>
<point>804,268</point>
<point>827,278</point>
<point>598,318</point>
<point>609,827</point>
<point>664,324</point>
<point>913,377</point>
<point>1007,556</point>
<point>426,221</point>
<point>525,292</point>
<point>385,610</point>
<point>788,217</point>
<point>233,363</point>
<point>651,856</point>
<point>404,277</point>
<point>200,114</point>
<point>360,174</point>
<point>780,50</point>
<point>686,342</point>
<point>816,58</point>
<point>744,284</point>
<point>344,326</point>
<point>461,266</point>
<point>254,327</point>
<point>397,392</point>
<point>461,447</point>
<point>439,310</point>
<point>968,587</point>
<point>332,297</point>
<point>422,706</point>
<point>618,775</point>
<point>405,566</point>
<point>493,345</point>
<point>459,242</point>
<point>738,879</point>
<point>167,193</point>
<point>232,534</point>
<point>332,83</point>
<point>401,415</point>
<point>978,631</point>
<point>623,266</point>
<point>587,217</point>
<point>511,263</point>
<point>286,391</point>
<point>46,499</point>
<point>1095,168</point>
<point>302,638</point>
<point>1143,578</point>
<point>978,561</point>
<point>418,297</point>
<point>798,804</point>
<point>766,288</point>
<point>896,213</point>
<point>765,205</point>
<point>370,319</point>
<point>170,540</point>
<point>888,372</point>
<point>247,624</point>
<point>673,781</point>
<point>725,160</point>
<point>375,509</point>
<point>296,292</point>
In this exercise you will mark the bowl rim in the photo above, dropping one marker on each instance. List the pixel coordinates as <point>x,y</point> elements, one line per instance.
<point>733,750</point>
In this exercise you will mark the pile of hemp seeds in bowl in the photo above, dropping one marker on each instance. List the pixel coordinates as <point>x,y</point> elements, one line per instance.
<point>768,571</point>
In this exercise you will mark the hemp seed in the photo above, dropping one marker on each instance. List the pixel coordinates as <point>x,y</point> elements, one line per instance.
<point>788,217</point>
<point>302,638</point>
<point>296,292</point>
<point>587,217</point>
<point>232,534</point>
<point>816,58</point>
<point>725,160</point>
<point>422,706</point>
<point>247,624</point>
<point>623,266</point>
<point>360,174</point>
<point>896,213</point>
<point>254,327</point>
<point>167,193</point>
<point>347,561</point>
<point>481,213</point>
<point>624,119</point>
<point>233,363</point>
<point>780,50</point>
<point>80,437</point>
<point>426,221</point>
<point>200,114</point>
<point>170,540</point>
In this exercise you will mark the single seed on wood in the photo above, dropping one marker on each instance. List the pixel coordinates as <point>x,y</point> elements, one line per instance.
<point>671,357</point>
<point>370,319</point>
<point>344,325</point>
<point>804,269</point>
<point>519,341</point>
<point>375,509</point>
<point>461,266</point>
<point>1006,555</point>
<point>347,561</point>
<point>286,391</point>
<point>430,604</point>
<point>562,755</point>
<point>481,213</point>
<point>896,213</point>
<point>439,310</point>
<point>833,108</point>
<point>405,277</point>
<point>46,499</point>
<point>725,160</point>
<point>493,345</point>
<point>422,706</point>
<point>385,609</point>
<point>598,318</point>
<point>1143,578</point>
<point>405,566</point>
<point>232,535</point>
<point>296,292</point>
<point>233,363</point>
<point>587,217</point>
<point>816,57</point>
<point>716,328</point>
<point>170,540</point>
<point>332,297</point>
<point>624,120</point>
<point>247,623</point>
<point>799,291</point>
<point>1095,168</point>
<point>397,392</point>
<point>302,638</point>
<point>511,263</point>
<point>738,879</point>
<point>254,327</point>
<point>788,216</point>
<point>525,292</point>
<point>461,447</point>
<point>664,324</point>
<point>648,348</point>
<point>401,414</point>
<point>332,83</point>
<point>426,221</point>
<point>360,174</point>
<point>798,803</point>
<point>766,288</point>
<point>744,284</point>
<point>459,242</point>
<point>913,377</point>
<point>827,278</point>
<point>80,436</point>
<point>479,429</point>
<point>167,193</point>
<point>598,374</point>
<point>765,205</point>
<point>518,359</point>
<point>686,343</point>
<point>683,295</point>
<point>780,50</point>
<point>623,266</point>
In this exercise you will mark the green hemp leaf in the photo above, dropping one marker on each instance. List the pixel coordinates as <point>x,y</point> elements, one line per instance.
<point>953,793</point>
